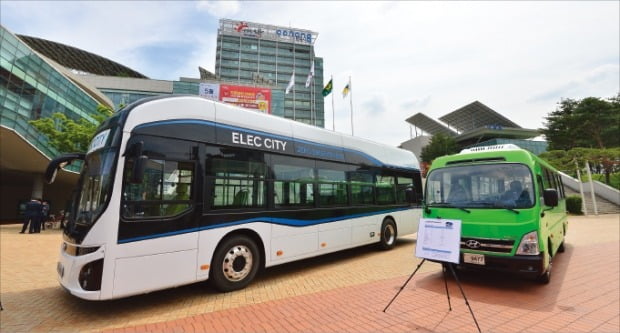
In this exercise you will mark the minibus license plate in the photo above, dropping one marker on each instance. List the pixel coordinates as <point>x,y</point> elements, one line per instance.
<point>471,258</point>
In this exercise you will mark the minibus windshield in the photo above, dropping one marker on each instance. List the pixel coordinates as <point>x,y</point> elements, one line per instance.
<point>504,185</point>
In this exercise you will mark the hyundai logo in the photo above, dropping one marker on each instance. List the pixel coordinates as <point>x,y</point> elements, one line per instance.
<point>473,244</point>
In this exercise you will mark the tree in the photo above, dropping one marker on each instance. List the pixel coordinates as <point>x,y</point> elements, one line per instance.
<point>68,135</point>
<point>439,145</point>
<point>591,123</point>
<point>605,161</point>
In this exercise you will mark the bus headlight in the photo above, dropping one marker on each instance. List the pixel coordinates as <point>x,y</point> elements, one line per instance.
<point>529,244</point>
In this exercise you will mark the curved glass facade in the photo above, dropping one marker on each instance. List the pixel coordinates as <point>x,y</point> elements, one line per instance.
<point>30,88</point>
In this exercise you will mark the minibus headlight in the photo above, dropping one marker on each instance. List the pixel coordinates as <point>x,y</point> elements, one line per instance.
<point>529,244</point>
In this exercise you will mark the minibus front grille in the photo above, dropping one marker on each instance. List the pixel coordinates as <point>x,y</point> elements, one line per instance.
<point>487,245</point>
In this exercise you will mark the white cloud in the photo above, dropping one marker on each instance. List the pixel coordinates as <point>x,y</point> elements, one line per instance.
<point>517,58</point>
<point>220,9</point>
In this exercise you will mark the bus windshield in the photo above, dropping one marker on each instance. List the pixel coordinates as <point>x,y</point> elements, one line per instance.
<point>503,185</point>
<point>95,185</point>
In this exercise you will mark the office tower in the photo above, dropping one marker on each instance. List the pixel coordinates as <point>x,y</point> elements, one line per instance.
<point>265,55</point>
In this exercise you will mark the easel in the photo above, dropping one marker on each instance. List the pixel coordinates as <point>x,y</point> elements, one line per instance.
<point>445,280</point>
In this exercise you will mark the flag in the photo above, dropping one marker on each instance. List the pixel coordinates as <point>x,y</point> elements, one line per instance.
<point>346,90</point>
<point>310,75</point>
<point>328,88</point>
<point>290,84</point>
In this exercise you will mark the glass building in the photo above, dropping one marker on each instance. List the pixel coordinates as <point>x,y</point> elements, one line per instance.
<point>268,56</point>
<point>33,86</point>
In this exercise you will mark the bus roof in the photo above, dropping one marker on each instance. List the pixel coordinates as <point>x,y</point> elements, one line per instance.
<point>490,154</point>
<point>196,108</point>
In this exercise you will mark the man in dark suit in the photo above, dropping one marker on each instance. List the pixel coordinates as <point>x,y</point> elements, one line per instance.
<point>32,215</point>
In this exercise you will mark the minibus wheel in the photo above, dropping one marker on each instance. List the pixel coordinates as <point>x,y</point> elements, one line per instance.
<point>235,263</point>
<point>388,234</point>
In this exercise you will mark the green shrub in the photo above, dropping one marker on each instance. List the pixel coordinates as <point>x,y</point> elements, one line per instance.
<point>573,204</point>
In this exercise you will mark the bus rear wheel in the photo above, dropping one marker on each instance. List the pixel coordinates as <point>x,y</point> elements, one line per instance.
<point>388,234</point>
<point>235,263</point>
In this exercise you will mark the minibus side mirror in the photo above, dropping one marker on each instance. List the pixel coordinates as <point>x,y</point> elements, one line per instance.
<point>550,197</point>
<point>59,163</point>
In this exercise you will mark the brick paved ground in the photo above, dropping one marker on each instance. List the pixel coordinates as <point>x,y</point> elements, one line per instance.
<point>345,292</point>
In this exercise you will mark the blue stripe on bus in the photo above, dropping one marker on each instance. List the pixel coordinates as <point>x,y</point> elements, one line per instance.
<point>211,123</point>
<point>273,220</point>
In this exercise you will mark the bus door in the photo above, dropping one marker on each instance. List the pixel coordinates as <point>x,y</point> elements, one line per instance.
<point>552,218</point>
<point>157,238</point>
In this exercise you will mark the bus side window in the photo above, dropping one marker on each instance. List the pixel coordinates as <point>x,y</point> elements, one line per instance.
<point>386,187</point>
<point>165,190</point>
<point>362,187</point>
<point>293,185</point>
<point>237,178</point>
<point>405,193</point>
<point>332,187</point>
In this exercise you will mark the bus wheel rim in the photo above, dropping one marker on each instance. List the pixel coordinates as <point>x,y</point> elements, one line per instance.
<point>237,263</point>
<point>388,234</point>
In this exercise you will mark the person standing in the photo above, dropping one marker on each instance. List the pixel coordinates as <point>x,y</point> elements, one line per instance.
<point>45,213</point>
<point>38,217</point>
<point>31,214</point>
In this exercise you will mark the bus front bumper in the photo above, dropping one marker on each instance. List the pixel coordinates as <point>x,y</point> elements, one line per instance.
<point>524,266</point>
<point>68,269</point>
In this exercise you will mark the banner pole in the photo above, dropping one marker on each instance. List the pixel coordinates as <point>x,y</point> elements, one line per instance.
<point>333,110</point>
<point>351,101</point>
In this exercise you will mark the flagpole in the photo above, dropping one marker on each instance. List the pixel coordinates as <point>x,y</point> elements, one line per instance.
<point>351,101</point>
<point>312,120</point>
<point>294,42</point>
<point>311,105</point>
<point>333,112</point>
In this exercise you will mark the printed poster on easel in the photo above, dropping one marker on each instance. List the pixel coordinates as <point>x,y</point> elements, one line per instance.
<point>439,240</point>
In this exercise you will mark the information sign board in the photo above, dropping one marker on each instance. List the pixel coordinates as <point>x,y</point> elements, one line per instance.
<point>439,240</point>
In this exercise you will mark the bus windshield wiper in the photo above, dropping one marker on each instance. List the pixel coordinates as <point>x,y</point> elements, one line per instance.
<point>449,205</point>
<point>512,210</point>
<point>463,209</point>
<point>497,205</point>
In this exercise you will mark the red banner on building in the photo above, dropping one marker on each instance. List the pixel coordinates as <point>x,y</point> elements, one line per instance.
<point>247,97</point>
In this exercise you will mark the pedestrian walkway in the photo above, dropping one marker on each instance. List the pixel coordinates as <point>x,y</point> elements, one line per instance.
<point>583,296</point>
<point>344,292</point>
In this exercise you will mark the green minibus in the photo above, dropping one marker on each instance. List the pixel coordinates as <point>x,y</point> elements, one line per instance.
<point>511,205</point>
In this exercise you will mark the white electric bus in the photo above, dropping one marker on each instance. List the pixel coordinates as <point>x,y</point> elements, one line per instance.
<point>175,190</point>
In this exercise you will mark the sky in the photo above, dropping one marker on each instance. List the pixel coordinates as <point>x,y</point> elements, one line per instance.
<point>518,58</point>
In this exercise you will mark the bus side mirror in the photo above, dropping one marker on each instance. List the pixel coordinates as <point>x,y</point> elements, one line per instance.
<point>139,165</point>
<point>550,196</point>
<point>137,173</point>
<point>59,163</point>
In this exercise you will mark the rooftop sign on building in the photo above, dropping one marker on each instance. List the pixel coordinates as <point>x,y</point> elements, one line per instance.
<point>265,31</point>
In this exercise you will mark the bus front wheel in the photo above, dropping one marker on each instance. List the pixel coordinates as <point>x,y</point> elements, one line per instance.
<point>388,234</point>
<point>235,263</point>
